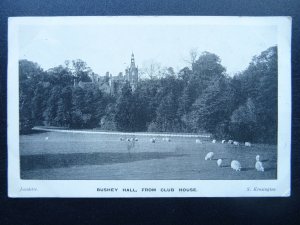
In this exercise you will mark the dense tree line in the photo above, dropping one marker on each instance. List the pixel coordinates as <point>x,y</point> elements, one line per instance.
<point>202,98</point>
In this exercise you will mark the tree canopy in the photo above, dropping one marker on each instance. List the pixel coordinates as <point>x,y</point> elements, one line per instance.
<point>199,98</point>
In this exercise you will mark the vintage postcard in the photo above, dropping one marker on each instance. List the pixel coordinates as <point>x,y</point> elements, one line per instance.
<point>149,106</point>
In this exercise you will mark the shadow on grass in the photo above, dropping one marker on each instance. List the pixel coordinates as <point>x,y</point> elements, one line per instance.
<point>49,161</point>
<point>269,169</point>
<point>247,168</point>
<point>225,166</point>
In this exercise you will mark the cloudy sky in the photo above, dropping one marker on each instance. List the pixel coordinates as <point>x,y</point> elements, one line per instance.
<point>109,47</point>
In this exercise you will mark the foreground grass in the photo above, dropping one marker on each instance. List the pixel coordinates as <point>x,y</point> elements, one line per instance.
<point>52,155</point>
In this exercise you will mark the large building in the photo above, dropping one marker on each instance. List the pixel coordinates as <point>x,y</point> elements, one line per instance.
<point>113,84</point>
<point>132,74</point>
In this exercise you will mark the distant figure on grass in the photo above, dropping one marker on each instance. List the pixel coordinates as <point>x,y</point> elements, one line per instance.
<point>236,165</point>
<point>230,142</point>
<point>214,141</point>
<point>152,140</point>
<point>236,143</point>
<point>219,162</point>
<point>168,139</point>
<point>258,165</point>
<point>257,158</point>
<point>121,139</point>
<point>198,141</point>
<point>130,147</point>
<point>209,156</point>
<point>223,141</point>
<point>247,144</point>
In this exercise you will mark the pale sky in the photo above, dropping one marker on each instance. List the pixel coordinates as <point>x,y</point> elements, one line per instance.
<point>109,47</point>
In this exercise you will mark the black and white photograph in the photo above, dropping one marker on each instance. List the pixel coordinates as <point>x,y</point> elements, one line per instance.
<point>149,106</point>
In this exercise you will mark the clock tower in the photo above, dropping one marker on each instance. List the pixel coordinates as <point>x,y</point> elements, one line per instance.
<point>132,74</point>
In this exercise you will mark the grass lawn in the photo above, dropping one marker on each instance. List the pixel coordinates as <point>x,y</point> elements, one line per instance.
<point>54,155</point>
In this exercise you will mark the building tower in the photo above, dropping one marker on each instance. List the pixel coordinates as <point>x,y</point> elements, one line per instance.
<point>132,74</point>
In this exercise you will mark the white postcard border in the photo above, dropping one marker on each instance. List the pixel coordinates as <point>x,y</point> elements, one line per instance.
<point>164,188</point>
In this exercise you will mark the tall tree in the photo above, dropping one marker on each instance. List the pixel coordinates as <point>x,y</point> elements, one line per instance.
<point>29,76</point>
<point>213,107</point>
<point>81,71</point>
<point>50,112</point>
<point>78,104</point>
<point>39,103</point>
<point>124,109</point>
<point>206,69</point>
<point>151,69</point>
<point>60,75</point>
<point>259,82</point>
<point>244,122</point>
<point>167,119</point>
<point>64,107</point>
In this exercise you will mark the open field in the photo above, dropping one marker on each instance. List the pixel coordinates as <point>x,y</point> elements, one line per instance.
<point>59,155</point>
